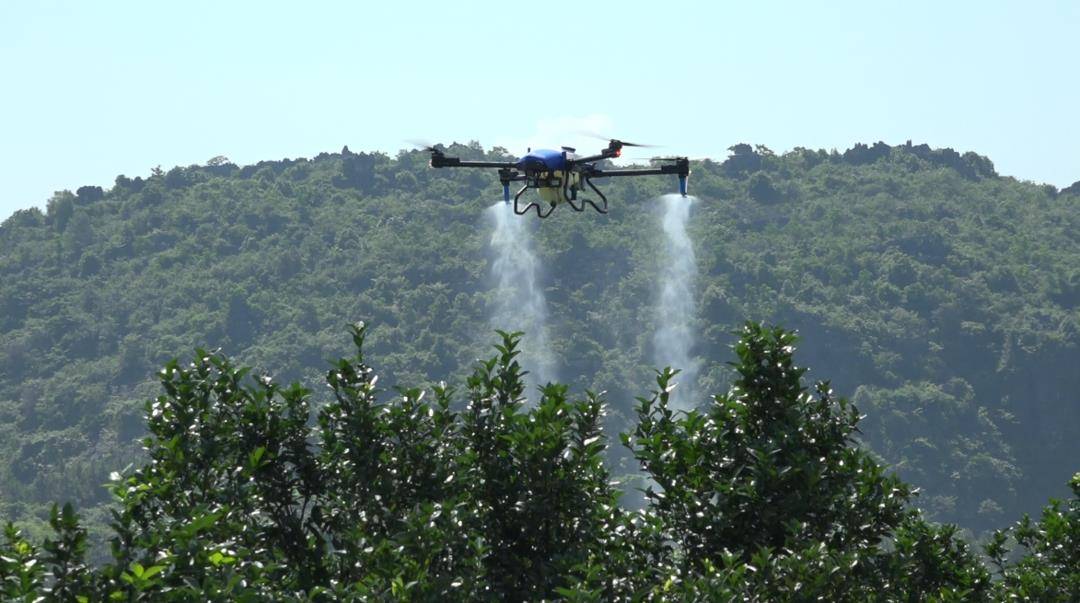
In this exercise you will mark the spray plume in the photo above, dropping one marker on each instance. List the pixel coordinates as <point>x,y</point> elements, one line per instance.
<point>674,336</point>
<point>519,303</point>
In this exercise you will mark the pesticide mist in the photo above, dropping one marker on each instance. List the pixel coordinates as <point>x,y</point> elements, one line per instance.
<point>674,336</point>
<point>518,303</point>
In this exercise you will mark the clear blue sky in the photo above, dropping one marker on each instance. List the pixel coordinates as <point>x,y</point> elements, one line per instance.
<point>92,90</point>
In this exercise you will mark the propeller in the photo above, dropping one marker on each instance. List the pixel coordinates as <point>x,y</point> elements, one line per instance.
<point>671,158</point>
<point>616,140</point>
<point>421,145</point>
<point>635,144</point>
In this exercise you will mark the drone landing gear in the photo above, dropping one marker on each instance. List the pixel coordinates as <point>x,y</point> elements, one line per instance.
<point>599,194</point>
<point>532,204</point>
<point>570,194</point>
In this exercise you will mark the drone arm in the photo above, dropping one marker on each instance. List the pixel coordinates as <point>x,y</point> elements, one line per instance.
<point>438,160</point>
<point>631,172</point>
<point>594,158</point>
<point>681,168</point>
<point>678,168</point>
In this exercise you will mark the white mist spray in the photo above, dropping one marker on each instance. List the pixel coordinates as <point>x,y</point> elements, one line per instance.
<point>519,303</point>
<point>675,311</point>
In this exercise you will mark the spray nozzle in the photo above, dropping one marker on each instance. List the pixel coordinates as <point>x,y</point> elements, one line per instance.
<point>683,184</point>
<point>506,192</point>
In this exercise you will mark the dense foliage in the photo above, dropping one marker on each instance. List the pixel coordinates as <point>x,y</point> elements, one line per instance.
<point>761,494</point>
<point>942,298</point>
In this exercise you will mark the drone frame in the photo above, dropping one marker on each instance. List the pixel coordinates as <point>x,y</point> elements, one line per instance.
<point>540,175</point>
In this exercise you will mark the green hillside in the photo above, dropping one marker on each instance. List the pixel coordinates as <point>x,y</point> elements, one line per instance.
<point>940,297</point>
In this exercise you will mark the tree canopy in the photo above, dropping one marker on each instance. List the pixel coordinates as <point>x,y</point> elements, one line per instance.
<point>760,494</point>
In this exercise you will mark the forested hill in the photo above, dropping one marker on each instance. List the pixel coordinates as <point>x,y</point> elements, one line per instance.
<point>939,296</point>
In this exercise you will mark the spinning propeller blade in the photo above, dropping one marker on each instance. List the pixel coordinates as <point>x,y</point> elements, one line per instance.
<point>420,145</point>
<point>671,158</point>
<point>616,140</point>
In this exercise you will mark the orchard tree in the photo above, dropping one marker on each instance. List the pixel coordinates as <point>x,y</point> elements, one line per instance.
<point>765,489</point>
<point>762,494</point>
<point>1047,567</point>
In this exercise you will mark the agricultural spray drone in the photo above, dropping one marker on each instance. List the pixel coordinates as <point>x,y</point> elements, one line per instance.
<point>558,176</point>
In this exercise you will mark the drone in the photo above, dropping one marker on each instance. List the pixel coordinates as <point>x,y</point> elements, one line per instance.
<point>558,176</point>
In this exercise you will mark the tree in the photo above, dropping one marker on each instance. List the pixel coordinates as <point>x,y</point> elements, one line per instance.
<point>89,194</point>
<point>1048,566</point>
<point>21,573</point>
<point>403,499</point>
<point>357,170</point>
<point>767,479</point>
<point>761,188</point>
<point>77,236</point>
<point>743,159</point>
<point>59,209</point>
<point>761,495</point>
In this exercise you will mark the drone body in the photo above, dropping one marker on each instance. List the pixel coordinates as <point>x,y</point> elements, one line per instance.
<point>558,176</point>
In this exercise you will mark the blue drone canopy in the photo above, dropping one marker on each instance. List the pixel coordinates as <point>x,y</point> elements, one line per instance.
<point>551,161</point>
